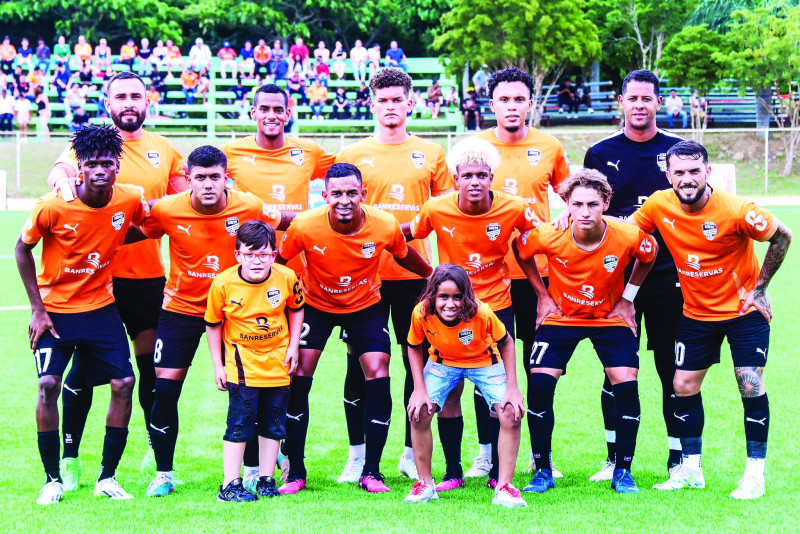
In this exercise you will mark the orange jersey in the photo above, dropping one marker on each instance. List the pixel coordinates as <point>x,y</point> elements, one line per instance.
<point>7,52</point>
<point>127,52</point>
<point>585,284</point>
<point>152,164</point>
<point>478,243</point>
<point>279,177</point>
<point>712,249</point>
<point>154,96</point>
<point>200,246</point>
<point>342,274</point>
<point>174,52</point>
<point>83,51</point>
<point>526,169</point>
<point>189,79</point>
<point>255,326</point>
<point>80,247</point>
<point>469,344</point>
<point>262,54</point>
<point>399,179</point>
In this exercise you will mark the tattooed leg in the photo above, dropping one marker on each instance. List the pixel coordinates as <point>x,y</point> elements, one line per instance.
<point>751,381</point>
<point>756,411</point>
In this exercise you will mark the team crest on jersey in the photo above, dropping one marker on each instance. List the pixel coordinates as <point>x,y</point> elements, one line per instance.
<point>661,159</point>
<point>368,249</point>
<point>117,220</point>
<point>232,225</point>
<point>465,336</point>
<point>154,158</point>
<point>534,156</point>
<point>710,230</point>
<point>297,155</point>
<point>418,159</point>
<point>610,263</point>
<point>262,323</point>
<point>493,230</point>
<point>274,296</point>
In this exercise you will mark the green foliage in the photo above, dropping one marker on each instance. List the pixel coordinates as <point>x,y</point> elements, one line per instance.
<point>695,58</point>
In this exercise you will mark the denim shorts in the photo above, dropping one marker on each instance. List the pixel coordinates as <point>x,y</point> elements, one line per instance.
<point>441,379</point>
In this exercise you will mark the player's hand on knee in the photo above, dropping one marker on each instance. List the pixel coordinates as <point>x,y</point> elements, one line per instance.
<point>562,221</point>
<point>416,403</point>
<point>292,358</point>
<point>513,400</point>
<point>221,378</point>
<point>759,300</point>
<point>624,310</point>
<point>40,323</point>
<point>546,307</point>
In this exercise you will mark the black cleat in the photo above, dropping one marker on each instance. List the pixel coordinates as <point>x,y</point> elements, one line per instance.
<point>235,492</point>
<point>266,487</point>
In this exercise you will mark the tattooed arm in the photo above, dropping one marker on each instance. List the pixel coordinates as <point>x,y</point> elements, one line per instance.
<point>779,239</point>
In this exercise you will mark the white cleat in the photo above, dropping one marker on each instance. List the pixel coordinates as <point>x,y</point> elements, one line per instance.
<point>508,496</point>
<point>681,477</point>
<point>750,487</point>
<point>421,493</point>
<point>109,487</point>
<point>606,472</point>
<point>352,470</point>
<point>556,472</point>
<point>407,468</point>
<point>51,493</point>
<point>480,467</point>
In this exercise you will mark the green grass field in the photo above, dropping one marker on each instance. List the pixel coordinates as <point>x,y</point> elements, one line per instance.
<point>575,505</point>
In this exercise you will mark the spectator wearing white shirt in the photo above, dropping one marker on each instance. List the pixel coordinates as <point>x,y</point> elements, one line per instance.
<point>358,58</point>
<point>674,105</point>
<point>200,55</point>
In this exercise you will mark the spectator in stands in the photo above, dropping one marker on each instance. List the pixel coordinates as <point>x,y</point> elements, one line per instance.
<point>7,55</point>
<point>362,100</point>
<point>566,98</point>
<point>396,57</point>
<point>6,111</point>
<point>3,80</point>
<point>61,79</point>
<point>189,82</point>
<point>281,69</point>
<point>296,64</point>
<point>36,78</point>
<point>323,72</point>
<point>174,58</point>
<point>582,96</point>
<point>83,52</point>
<point>292,110</point>
<point>84,79</point>
<point>262,55</point>
<point>74,100</point>
<point>247,65</point>
<point>341,104</point>
<point>21,82</point>
<point>339,55</point>
<point>674,105</point>
<point>154,98</point>
<point>43,107</point>
<point>417,107</point>
<point>374,59</point>
<point>240,99</point>
<point>227,59</point>
<point>160,54</point>
<point>22,114</point>
<point>451,100</point>
<point>318,96</point>
<point>145,58</point>
<point>157,81</point>
<point>322,53</point>
<point>105,74</point>
<point>481,81</point>
<point>297,85</point>
<point>434,99</point>
<point>79,120</point>
<point>25,55</point>
<point>299,49</point>
<point>699,110</point>
<point>358,59</point>
<point>203,84</point>
<point>127,54</point>
<point>43,56</point>
<point>278,54</point>
<point>61,51</point>
<point>471,109</point>
<point>102,55</point>
<point>200,55</point>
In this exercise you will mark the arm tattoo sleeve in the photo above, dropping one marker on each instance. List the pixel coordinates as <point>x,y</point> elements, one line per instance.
<point>778,245</point>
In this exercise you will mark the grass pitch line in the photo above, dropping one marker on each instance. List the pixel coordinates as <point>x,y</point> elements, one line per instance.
<point>15,308</point>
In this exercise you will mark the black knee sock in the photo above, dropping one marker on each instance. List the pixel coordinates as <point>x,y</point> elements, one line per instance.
<point>627,414</point>
<point>251,452</point>
<point>354,399</point>
<point>377,414</point>
<point>451,432</point>
<point>541,419</point>
<point>164,422</point>
<point>75,405</point>
<point>665,367</point>
<point>113,447</point>
<point>607,405</point>
<point>147,385</point>
<point>408,389</point>
<point>690,417</point>
<point>49,451</point>
<point>297,426</point>
<point>756,425</point>
<point>481,417</point>
<point>494,435</point>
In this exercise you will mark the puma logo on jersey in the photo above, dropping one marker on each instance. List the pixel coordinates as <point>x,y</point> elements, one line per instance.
<point>764,352</point>
<point>384,423</point>
<point>160,430</point>
<point>321,250</point>
<point>251,159</point>
<point>540,415</point>
<point>351,402</point>
<point>759,421</point>
<point>185,228</point>
<point>449,230</point>
<point>368,161</point>
<point>295,417</point>
<point>562,262</point>
<point>615,165</point>
<point>237,303</point>
<point>632,418</point>
<point>671,223</point>
<point>73,228</point>
<point>431,333</point>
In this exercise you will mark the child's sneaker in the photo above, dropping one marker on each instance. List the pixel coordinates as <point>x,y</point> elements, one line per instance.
<point>235,492</point>
<point>420,492</point>
<point>266,487</point>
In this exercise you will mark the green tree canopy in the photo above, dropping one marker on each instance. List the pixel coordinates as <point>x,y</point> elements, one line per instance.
<point>695,58</point>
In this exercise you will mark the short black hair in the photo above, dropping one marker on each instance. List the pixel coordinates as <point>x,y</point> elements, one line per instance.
<point>271,89</point>
<point>643,76</point>
<point>510,74</point>
<point>207,156</point>
<point>97,140</point>
<point>688,150</point>
<point>390,77</point>
<point>341,170</point>
<point>124,75</point>
<point>255,234</point>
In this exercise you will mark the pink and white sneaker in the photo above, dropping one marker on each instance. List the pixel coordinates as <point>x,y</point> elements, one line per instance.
<point>373,483</point>
<point>421,493</point>
<point>450,483</point>
<point>508,496</point>
<point>293,486</point>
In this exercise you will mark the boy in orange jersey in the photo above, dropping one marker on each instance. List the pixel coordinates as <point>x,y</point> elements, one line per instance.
<point>586,301</point>
<point>257,308</point>
<point>710,234</point>
<point>343,242</point>
<point>400,172</point>
<point>473,227</point>
<point>201,224</point>
<point>464,336</point>
<point>73,307</point>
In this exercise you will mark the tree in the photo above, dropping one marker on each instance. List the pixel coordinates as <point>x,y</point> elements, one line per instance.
<point>542,38</point>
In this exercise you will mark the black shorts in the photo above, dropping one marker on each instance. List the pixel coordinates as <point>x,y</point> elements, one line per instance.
<point>662,314</point>
<point>177,339</point>
<point>251,406</point>
<point>506,316</point>
<point>615,346</point>
<point>139,302</point>
<point>98,338</point>
<point>367,329</point>
<point>697,346</point>
<point>398,298</point>
<point>525,301</point>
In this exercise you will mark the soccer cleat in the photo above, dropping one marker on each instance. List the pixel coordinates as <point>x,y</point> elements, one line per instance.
<point>283,465</point>
<point>109,487</point>
<point>542,481</point>
<point>266,487</point>
<point>407,467</point>
<point>293,486</point>
<point>450,483</point>
<point>148,466</point>
<point>160,486</point>
<point>606,472</point>
<point>683,477</point>
<point>420,492</point>
<point>480,467</point>
<point>750,487</point>
<point>623,482</point>
<point>235,492</point>
<point>532,468</point>
<point>508,496</point>
<point>491,483</point>
<point>70,473</point>
<point>50,493</point>
<point>250,483</point>
<point>352,470</point>
<point>373,483</point>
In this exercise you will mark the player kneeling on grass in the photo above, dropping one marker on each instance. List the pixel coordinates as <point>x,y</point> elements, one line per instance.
<point>256,308</point>
<point>464,335</point>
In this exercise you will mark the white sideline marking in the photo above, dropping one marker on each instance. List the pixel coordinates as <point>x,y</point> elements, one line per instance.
<point>14,308</point>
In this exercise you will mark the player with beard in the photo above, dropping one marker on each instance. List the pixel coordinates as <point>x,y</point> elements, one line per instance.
<point>151,163</point>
